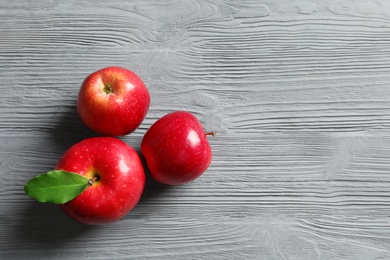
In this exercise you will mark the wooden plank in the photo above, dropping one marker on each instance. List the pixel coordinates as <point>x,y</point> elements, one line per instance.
<point>296,90</point>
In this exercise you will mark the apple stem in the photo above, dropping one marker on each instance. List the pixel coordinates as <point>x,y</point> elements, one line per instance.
<point>211,133</point>
<point>92,181</point>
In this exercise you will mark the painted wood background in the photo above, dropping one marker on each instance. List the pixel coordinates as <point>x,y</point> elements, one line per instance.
<point>298,92</point>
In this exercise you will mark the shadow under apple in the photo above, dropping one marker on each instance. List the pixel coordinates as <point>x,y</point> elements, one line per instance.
<point>153,188</point>
<point>69,130</point>
<point>42,227</point>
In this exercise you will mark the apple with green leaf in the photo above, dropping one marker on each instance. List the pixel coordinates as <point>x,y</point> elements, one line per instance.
<point>176,148</point>
<point>96,181</point>
<point>113,101</point>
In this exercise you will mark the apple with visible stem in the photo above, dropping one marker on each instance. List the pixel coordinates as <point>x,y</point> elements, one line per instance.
<point>113,101</point>
<point>176,148</point>
<point>116,179</point>
<point>96,181</point>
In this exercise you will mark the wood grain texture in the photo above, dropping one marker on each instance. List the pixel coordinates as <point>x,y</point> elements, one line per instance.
<point>298,92</point>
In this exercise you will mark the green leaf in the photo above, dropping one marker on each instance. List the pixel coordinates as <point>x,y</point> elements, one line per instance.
<point>56,186</point>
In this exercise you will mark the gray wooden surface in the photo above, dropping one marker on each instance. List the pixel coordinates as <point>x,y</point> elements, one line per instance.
<point>298,92</point>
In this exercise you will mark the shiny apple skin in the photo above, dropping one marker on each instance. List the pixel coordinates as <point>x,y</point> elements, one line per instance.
<point>121,179</point>
<point>176,149</point>
<point>119,112</point>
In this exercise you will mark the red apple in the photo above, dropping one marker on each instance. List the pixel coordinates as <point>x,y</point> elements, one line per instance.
<point>176,149</point>
<point>116,175</point>
<point>113,101</point>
